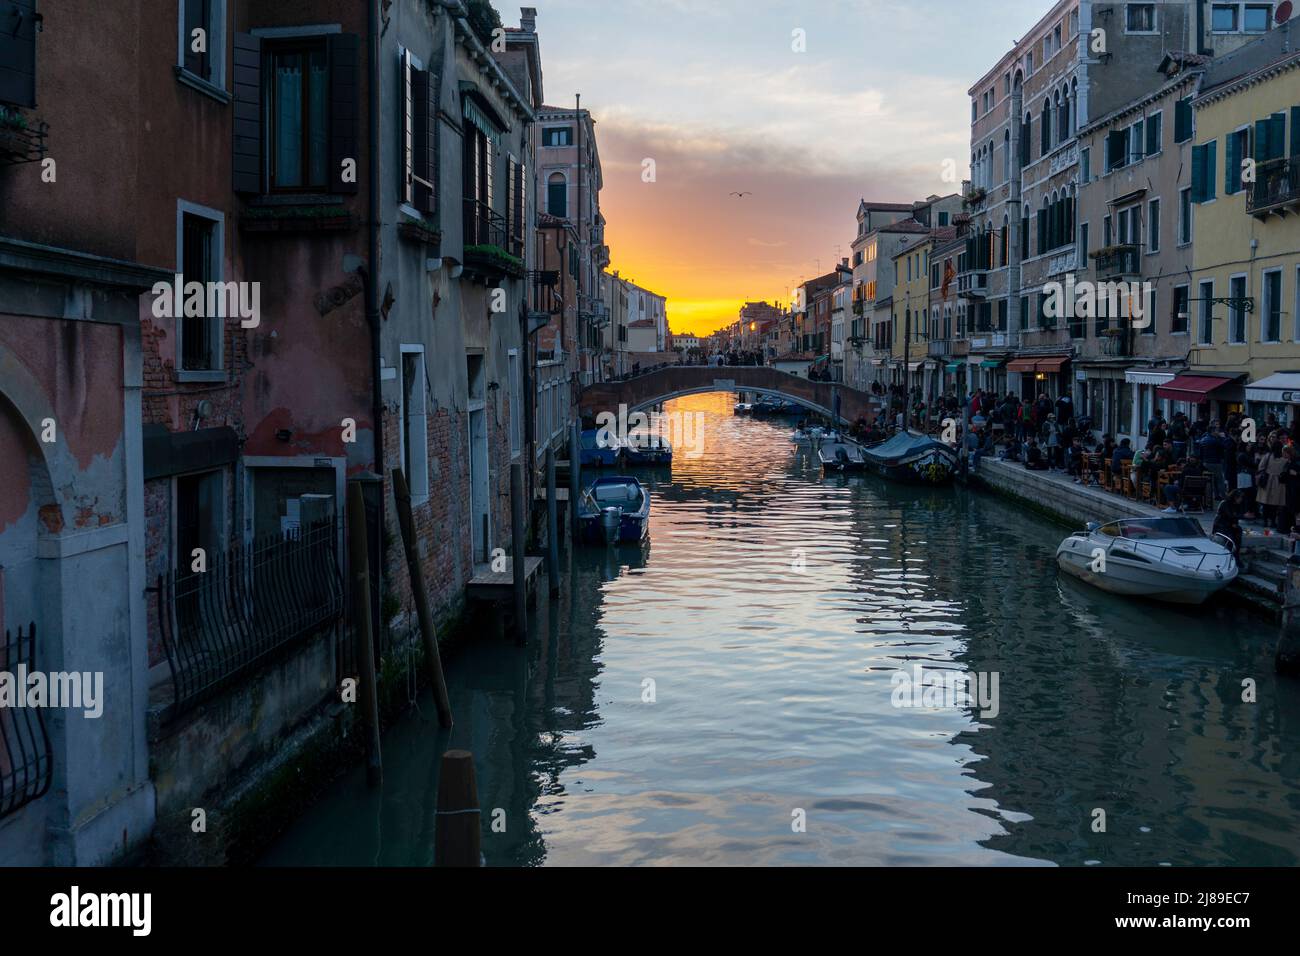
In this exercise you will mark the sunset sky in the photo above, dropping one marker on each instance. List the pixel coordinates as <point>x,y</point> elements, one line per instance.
<point>714,93</point>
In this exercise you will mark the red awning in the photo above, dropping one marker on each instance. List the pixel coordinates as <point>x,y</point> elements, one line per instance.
<point>1021,365</point>
<point>1191,388</point>
<point>1053,363</point>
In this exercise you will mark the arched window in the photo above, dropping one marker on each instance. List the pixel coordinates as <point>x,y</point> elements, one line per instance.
<point>557,195</point>
<point>1045,137</point>
<point>1006,156</point>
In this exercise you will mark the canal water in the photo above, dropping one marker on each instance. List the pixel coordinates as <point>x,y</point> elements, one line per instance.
<point>726,695</point>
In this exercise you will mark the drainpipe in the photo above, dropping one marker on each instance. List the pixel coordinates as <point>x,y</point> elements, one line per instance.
<point>372,289</point>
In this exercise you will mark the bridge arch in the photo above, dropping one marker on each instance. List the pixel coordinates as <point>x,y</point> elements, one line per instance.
<point>674,381</point>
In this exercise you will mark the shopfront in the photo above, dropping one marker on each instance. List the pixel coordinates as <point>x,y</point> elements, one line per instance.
<point>1204,395</point>
<point>1277,395</point>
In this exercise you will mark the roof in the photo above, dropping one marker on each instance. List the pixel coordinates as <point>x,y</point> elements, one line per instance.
<point>1275,46</point>
<point>642,324</point>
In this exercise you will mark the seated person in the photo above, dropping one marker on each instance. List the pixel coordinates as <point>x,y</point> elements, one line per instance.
<point>1228,520</point>
<point>1074,459</point>
<point>1122,456</point>
<point>1174,490</point>
<point>1035,460</point>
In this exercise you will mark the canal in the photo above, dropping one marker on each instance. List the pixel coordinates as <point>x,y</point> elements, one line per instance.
<point>725,695</point>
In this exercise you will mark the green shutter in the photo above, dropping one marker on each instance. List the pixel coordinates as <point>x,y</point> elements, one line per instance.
<point>1232,165</point>
<point>1183,121</point>
<point>1211,168</point>
<point>1198,174</point>
<point>1154,129</point>
<point>1295,132</point>
<point>1277,136</point>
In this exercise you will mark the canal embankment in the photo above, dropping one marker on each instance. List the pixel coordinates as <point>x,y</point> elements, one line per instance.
<point>1054,494</point>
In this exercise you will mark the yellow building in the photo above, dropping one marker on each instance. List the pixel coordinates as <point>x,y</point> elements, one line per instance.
<point>911,308</point>
<point>1243,304</point>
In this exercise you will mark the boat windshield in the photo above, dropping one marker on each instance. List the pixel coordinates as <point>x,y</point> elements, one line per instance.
<point>1158,529</point>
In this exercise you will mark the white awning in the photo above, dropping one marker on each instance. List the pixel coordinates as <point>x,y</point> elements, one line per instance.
<point>915,366</point>
<point>1142,376</point>
<point>1282,387</point>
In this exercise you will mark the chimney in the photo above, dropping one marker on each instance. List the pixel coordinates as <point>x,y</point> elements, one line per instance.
<point>528,19</point>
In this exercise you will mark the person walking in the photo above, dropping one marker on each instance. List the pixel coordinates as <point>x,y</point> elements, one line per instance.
<point>1270,494</point>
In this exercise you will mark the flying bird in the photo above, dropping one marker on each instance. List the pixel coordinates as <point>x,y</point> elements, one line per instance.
<point>742,195</point>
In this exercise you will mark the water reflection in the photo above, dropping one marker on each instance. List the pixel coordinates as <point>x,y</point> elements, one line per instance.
<point>768,615</point>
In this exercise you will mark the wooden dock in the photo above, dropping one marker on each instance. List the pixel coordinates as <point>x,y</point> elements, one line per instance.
<point>489,585</point>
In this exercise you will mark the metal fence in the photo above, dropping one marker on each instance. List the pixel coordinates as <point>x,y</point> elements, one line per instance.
<point>250,602</point>
<point>26,758</point>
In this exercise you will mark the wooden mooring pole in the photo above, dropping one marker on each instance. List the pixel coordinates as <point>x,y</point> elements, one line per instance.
<point>457,831</point>
<point>428,635</point>
<point>359,562</point>
<point>518,531</point>
<point>575,475</point>
<point>552,526</point>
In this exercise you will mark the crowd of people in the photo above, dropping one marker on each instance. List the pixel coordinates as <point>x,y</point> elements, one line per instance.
<point>1251,469</point>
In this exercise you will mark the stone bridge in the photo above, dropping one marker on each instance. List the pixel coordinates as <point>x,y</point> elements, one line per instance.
<point>672,381</point>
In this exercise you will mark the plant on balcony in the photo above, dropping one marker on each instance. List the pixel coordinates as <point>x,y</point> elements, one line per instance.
<point>1114,250</point>
<point>483,19</point>
<point>496,257</point>
<point>12,119</point>
<point>975,198</point>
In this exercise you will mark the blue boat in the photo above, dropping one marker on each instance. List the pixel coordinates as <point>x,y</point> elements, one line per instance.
<point>651,450</point>
<point>912,458</point>
<point>614,510</point>
<point>598,452</point>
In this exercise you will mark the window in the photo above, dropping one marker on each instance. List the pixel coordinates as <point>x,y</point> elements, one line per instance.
<point>1180,316</point>
<point>1223,19</point>
<point>1257,17</point>
<point>1136,142</point>
<point>201,40</point>
<point>557,196</point>
<point>1140,18</point>
<point>299,91</point>
<point>943,219</point>
<point>1236,311</point>
<point>1205,331</point>
<point>1271,319</point>
<point>1153,225</point>
<point>557,136</point>
<point>415,432</point>
<point>1083,245</point>
<point>1085,166</point>
<point>1155,133</point>
<point>419,107</point>
<point>198,255</point>
<point>1184,216</point>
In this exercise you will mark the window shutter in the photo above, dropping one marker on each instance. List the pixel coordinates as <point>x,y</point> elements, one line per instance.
<point>1045,133</point>
<point>1295,132</point>
<point>1042,231</point>
<point>1026,144</point>
<point>18,52</point>
<point>424,106</point>
<point>345,103</point>
<point>1232,165</point>
<point>1211,168</point>
<point>247,113</point>
<point>1183,121</point>
<point>1153,135</point>
<point>1277,136</point>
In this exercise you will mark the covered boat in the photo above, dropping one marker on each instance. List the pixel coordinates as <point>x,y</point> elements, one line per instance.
<point>812,434</point>
<point>614,510</point>
<point>912,458</point>
<point>1165,558</point>
<point>600,450</point>
<point>841,456</point>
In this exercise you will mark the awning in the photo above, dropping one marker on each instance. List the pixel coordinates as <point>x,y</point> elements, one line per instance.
<point>1136,376</point>
<point>1052,363</point>
<point>915,366</point>
<point>953,367</point>
<point>1282,387</point>
<point>991,363</point>
<point>1191,388</point>
<point>1021,365</point>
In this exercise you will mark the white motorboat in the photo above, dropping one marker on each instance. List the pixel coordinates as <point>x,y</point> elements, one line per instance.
<point>814,434</point>
<point>1166,558</point>
<point>841,456</point>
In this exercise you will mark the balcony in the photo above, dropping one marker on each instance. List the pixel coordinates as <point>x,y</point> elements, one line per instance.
<point>1117,263</point>
<point>490,251</point>
<point>1115,342</point>
<point>1276,187</point>
<point>1062,262</point>
<point>973,284</point>
<point>21,140</point>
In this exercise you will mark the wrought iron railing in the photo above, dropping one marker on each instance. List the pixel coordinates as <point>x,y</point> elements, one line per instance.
<point>1118,261</point>
<point>1277,184</point>
<point>484,226</point>
<point>252,601</point>
<point>26,758</point>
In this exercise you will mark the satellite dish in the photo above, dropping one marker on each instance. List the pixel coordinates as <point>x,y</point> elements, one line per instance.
<point>1284,11</point>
